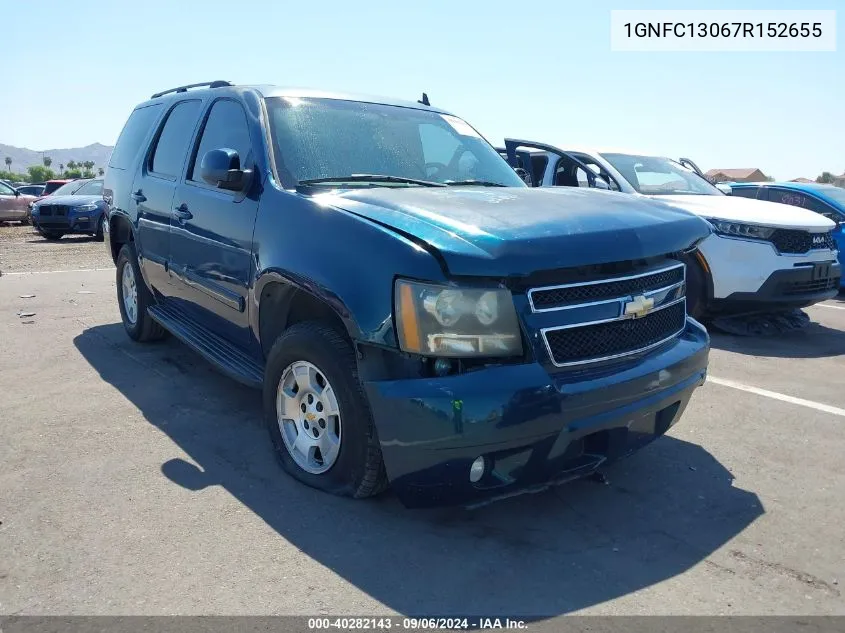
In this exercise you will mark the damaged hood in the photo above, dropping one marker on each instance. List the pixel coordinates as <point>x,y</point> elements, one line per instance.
<point>506,231</point>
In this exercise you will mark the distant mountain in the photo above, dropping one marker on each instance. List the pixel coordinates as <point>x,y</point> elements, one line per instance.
<point>23,157</point>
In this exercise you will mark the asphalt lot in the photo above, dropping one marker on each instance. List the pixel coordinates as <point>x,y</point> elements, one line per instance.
<point>136,480</point>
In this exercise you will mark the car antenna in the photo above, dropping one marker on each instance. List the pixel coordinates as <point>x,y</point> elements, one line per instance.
<point>424,100</point>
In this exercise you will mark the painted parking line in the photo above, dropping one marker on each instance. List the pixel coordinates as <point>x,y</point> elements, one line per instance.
<point>827,305</point>
<point>774,395</point>
<point>50,272</point>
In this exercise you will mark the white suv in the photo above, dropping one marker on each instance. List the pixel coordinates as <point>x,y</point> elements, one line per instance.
<point>761,256</point>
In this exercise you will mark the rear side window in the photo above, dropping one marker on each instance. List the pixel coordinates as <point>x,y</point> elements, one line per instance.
<point>133,134</point>
<point>744,192</point>
<point>225,128</point>
<point>172,144</point>
<point>798,199</point>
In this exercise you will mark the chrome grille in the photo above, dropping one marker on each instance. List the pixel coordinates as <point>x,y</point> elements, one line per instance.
<point>649,310</point>
<point>557,297</point>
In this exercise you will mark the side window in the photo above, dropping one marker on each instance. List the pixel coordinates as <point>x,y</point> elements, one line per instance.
<point>597,169</point>
<point>745,192</point>
<point>133,134</point>
<point>172,144</point>
<point>5,190</point>
<point>785,196</point>
<point>225,127</point>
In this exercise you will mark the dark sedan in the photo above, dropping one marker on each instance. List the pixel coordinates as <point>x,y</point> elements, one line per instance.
<point>79,212</point>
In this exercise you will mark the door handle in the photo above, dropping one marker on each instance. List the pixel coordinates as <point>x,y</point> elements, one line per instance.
<point>182,214</point>
<point>138,196</point>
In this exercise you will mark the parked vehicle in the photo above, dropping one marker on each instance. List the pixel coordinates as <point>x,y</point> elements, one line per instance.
<point>826,200</point>
<point>758,259</point>
<point>32,190</point>
<point>412,311</point>
<point>14,205</point>
<point>82,211</point>
<point>51,186</point>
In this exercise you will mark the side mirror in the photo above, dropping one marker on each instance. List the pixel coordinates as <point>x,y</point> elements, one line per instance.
<point>725,189</point>
<point>17,194</point>
<point>601,183</point>
<point>222,168</point>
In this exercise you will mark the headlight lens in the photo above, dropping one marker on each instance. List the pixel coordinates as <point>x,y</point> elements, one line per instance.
<point>87,207</point>
<point>437,320</point>
<point>736,229</point>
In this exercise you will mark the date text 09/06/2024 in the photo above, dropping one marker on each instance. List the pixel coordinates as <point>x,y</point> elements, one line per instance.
<point>724,29</point>
<point>414,624</point>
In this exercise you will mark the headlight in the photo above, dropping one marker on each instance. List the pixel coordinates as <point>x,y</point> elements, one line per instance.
<point>87,207</point>
<point>446,321</point>
<point>735,229</point>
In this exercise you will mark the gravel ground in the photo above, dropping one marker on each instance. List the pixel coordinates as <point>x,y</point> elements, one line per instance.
<point>22,249</point>
<point>134,479</point>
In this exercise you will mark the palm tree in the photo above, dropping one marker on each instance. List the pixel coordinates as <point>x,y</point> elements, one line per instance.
<point>89,165</point>
<point>61,168</point>
<point>9,164</point>
<point>71,165</point>
<point>100,171</point>
<point>47,161</point>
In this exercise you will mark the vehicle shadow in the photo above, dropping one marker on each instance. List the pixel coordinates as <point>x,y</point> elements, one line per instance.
<point>80,238</point>
<point>814,341</point>
<point>664,511</point>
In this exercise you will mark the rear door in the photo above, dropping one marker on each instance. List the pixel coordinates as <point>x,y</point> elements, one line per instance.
<point>211,229</point>
<point>155,185</point>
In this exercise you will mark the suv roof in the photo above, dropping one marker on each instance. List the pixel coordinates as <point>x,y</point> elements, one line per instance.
<point>267,91</point>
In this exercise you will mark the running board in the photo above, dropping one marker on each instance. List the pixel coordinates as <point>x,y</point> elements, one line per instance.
<point>219,352</point>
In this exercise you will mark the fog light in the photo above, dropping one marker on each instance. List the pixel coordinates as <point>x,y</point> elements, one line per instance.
<point>442,366</point>
<point>476,471</point>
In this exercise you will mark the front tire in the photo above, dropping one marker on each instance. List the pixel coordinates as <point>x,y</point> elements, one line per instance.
<point>318,415</point>
<point>99,235</point>
<point>133,298</point>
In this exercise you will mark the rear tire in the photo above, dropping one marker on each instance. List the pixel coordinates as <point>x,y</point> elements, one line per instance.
<point>133,298</point>
<point>356,469</point>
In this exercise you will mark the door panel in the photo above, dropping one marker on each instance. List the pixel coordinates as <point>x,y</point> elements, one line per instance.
<point>211,230</point>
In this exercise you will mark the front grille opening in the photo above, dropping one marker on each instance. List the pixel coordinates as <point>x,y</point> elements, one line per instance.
<point>807,287</point>
<point>794,242</point>
<point>604,341</point>
<point>556,297</point>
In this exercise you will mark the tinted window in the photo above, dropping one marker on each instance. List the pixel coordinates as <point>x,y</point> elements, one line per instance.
<point>93,188</point>
<point>745,192</point>
<point>133,134</point>
<point>798,199</point>
<point>50,187</point>
<point>172,145</point>
<point>225,127</point>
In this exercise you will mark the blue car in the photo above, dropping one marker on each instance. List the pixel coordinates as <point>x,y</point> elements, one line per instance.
<point>827,200</point>
<point>79,209</point>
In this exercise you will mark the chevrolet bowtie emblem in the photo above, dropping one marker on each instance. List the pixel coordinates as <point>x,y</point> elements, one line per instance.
<point>638,307</point>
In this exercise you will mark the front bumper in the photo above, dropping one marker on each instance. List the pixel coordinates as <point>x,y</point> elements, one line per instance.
<point>797,287</point>
<point>533,428</point>
<point>72,223</point>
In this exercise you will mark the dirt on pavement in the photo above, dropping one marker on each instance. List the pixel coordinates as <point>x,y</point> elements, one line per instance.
<point>23,249</point>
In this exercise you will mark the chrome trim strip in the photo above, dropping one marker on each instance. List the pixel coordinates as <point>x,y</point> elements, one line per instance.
<point>621,317</point>
<point>621,299</point>
<point>606,280</point>
<point>621,355</point>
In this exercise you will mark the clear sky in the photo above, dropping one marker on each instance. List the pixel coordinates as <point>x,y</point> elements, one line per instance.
<point>539,70</point>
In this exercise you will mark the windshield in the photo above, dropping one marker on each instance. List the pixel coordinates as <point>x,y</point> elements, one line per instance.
<point>68,188</point>
<point>330,138</point>
<point>92,188</point>
<point>652,175</point>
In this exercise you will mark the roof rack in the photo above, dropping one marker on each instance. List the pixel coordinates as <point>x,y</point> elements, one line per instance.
<point>204,84</point>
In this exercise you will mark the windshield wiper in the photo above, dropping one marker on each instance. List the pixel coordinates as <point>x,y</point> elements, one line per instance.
<point>370,178</point>
<point>479,183</point>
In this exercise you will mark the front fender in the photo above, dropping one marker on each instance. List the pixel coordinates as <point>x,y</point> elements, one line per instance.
<point>347,262</point>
